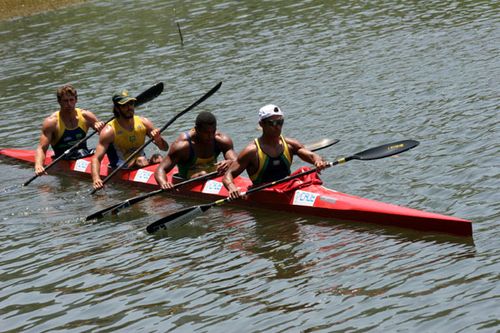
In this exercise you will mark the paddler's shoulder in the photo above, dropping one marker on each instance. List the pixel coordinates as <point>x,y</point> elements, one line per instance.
<point>222,138</point>
<point>51,120</point>
<point>293,144</point>
<point>251,148</point>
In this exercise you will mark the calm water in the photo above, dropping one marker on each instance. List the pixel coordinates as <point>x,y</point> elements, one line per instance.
<point>363,72</point>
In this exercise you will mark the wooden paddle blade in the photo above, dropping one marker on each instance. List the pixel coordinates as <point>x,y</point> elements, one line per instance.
<point>176,219</point>
<point>386,150</point>
<point>149,94</point>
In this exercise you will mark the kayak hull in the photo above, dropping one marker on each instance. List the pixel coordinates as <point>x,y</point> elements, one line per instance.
<point>309,200</point>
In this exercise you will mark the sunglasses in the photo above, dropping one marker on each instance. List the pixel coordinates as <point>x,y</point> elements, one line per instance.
<point>275,122</point>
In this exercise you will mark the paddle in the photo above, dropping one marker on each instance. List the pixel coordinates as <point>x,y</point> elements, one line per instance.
<point>138,150</point>
<point>187,214</point>
<point>129,202</point>
<point>144,97</point>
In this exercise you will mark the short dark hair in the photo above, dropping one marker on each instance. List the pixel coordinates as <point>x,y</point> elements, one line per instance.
<point>66,89</point>
<point>205,118</point>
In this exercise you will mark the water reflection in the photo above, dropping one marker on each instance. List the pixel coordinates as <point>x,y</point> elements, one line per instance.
<point>278,240</point>
<point>282,239</point>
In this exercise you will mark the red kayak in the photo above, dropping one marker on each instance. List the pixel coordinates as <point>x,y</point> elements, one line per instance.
<point>305,196</point>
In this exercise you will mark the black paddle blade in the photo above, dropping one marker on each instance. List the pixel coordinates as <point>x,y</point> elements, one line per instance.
<point>178,218</point>
<point>149,94</point>
<point>110,210</point>
<point>386,150</point>
<point>94,216</point>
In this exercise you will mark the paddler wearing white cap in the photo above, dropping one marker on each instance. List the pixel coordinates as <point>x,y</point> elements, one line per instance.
<point>269,157</point>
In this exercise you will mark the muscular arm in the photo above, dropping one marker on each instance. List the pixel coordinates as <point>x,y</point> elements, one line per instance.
<point>49,127</point>
<point>305,154</point>
<point>246,160</point>
<point>105,139</point>
<point>92,121</point>
<point>225,143</point>
<point>167,164</point>
<point>155,134</point>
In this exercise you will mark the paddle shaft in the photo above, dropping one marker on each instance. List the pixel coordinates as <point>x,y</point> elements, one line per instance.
<point>280,181</point>
<point>144,97</point>
<point>369,154</point>
<point>138,150</point>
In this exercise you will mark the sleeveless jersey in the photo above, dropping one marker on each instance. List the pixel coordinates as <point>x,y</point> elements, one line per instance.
<point>272,168</point>
<point>126,142</point>
<point>196,164</point>
<point>67,137</point>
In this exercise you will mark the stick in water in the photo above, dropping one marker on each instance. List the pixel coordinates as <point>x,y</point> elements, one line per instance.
<point>178,28</point>
<point>180,33</point>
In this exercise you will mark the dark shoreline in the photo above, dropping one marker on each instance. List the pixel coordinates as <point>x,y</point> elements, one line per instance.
<point>10,9</point>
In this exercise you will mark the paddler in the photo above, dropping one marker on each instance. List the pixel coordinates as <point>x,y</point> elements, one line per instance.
<point>123,136</point>
<point>195,152</point>
<point>269,157</point>
<point>64,128</point>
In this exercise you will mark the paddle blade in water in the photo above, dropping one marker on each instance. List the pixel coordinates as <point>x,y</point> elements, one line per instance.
<point>386,150</point>
<point>110,210</point>
<point>178,218</point>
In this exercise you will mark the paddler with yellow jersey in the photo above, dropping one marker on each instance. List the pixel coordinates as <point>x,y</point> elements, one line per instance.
<point>123,136</point>
<point>195,152</point>
<point>65,128</point>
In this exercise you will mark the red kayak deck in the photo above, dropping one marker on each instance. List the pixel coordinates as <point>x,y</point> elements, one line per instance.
<point>306,198</point>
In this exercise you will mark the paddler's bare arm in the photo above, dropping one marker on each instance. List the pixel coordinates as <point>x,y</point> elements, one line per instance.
<point>226,145</point>
<point>155,134</point>
<point>245,161</point>
<point>305,154</point>
<point>92,120</point>
<point>106,137</point>
<point>167,164</point>
<point>48,129</point>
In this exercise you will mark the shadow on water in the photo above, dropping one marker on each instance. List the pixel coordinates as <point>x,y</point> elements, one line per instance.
<point>402,234</point>
<point>276,241</point>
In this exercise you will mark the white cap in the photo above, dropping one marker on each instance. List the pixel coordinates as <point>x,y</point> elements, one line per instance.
<point>269,110</point>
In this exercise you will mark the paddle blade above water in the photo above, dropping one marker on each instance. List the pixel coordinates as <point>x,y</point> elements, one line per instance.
<point>386,150</point>
<point>325,143</point>
<point>149,94</point>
